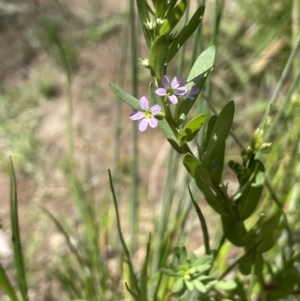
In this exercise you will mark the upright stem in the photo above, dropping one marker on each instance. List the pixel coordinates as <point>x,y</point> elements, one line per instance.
<point>134,185</point>
<point>295,32</point>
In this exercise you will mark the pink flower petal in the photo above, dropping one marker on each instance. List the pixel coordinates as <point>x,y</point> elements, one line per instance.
<point>161,92</point>
<point>144,103</point>
<point>155,109</point>
<point>153,122</point>
<point>143,125</point>
<point>165,82</point>
<point>173,99</point>
<point>176,82</point>
<point>180,91</point>
<point>137,116</point>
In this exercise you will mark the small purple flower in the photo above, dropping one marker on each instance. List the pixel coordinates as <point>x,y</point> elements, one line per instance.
<point>172,89</point>
<point>190,92</point>
<point>147,116</point>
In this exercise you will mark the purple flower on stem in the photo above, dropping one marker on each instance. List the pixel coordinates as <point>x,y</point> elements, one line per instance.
<point>172,89</point>
<point>190,92</point>
<point>147,116</point>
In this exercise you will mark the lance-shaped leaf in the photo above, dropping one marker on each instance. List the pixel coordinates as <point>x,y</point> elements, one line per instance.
<point>16,237</point>
<point>173,17</point>
<point>126,97</point>
<point>191,129</point>
<point>186,32</point>
<point>6,285</point>
<point>250,196</point>
<point>171,5</point>
<point>269,233</point>
<point>234,231</point>
<point>250,259</point>
<point>225,285</point>
<point>191,163</point>
<point>204,183</point>
<point>169,134</point>
<point>203,64</point>
<point>220,132</point>
<point>184,106</point>
<point>143,11</point>
<point>158,56</point>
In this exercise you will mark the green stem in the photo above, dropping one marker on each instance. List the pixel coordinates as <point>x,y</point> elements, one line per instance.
<point>203,224</point>
<point>134,208</point>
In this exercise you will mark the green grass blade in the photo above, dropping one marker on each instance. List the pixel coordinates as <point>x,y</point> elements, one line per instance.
<point>6,285</point>
<point>203,223</point>
<point>133,277</point>
<point>62,230</point>
<point>16,239</point>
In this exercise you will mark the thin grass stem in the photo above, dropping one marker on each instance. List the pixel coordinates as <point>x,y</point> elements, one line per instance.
<point>134,207</point>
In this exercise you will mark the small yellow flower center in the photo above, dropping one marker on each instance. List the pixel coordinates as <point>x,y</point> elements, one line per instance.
<point>170,91</point>
<point>148,114</point>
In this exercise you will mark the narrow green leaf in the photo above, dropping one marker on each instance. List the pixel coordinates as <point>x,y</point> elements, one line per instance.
<point>199,286</point>
<point>208,134</point>
<point>133,277</point>
<point>158,56</point>
<point>189,284</point>
<point>143,11</point>
<point>211,199</point>
<point>178,286</point>
<point>203,175</point>
<point>191,129</point>
<point>203,65</point>
<point>169,134</point>
<point>203,224</point>
<point>173,17</point>
<point>66,235</point>
<point>234,231</point>
<point>6,285</point>
<point>191,163</point>
<point>216,165</point>
<point>248,260</point>
<point>250,196</point>
<point>225,285</point>
<point>125,97</point>
<point>171,6</point>
<point>220,131</point>
<point>202,268</point>
<point>132,292</point>
<point>144,271</point>
<point>186,32</point>
<point>269,233</point>
<point>16,239</point>
<point>205,259</point>
<point>168,272</point>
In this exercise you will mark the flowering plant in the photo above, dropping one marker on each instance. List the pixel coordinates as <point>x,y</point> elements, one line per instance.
<point>171,102</point>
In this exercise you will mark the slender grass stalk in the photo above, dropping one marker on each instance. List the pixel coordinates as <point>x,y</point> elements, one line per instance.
<point>90,230</point>
<point>183,48</point>
<point>197,39</point>
<point>134,206</point>
<point>123,243</point>
<point>287,68</point>
<point>16,238</point>
<point>296,32</point>
<point>203,223</point>
<point>252,282</point>
<point>203,108</point>
<point>121,79</point>
<point>6,285</point>
<point>166,207</point>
